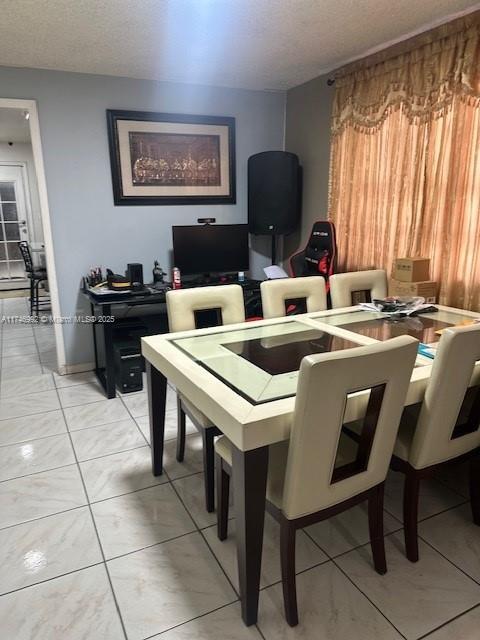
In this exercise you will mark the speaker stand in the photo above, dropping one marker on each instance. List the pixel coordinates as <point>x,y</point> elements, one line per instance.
<point>274,249</point>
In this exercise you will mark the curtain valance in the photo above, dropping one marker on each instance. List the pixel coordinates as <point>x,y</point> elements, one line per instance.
<point>422,74</point>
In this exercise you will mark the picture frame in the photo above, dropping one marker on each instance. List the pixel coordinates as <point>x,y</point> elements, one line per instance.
<point>171,159</point>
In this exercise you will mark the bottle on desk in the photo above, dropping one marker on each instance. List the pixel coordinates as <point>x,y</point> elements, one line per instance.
<point>176,278</point>
<point>95,277</point>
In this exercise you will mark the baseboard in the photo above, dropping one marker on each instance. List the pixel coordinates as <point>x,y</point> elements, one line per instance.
<point>66,369</point>
<point>14,293</point>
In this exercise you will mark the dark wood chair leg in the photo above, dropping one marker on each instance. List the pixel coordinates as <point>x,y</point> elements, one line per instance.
<point>410,513</point>
<point>32,295</point>
<point>37,297</point>
<point>209,468</point>
<point>287,559</point>
<point>375,523</point>
<point>223,495</point>
<point>474,480</point>
<point>181,430</point>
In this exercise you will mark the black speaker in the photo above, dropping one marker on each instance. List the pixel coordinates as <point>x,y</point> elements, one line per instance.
<point>135,275</point>
<point>274,187</point>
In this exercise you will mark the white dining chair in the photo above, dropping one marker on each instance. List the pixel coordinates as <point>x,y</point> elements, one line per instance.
<point>182,307</point>
<point>343,285</point>
<point>321,471</point>
<point>277,293</point>
<point>444,428</point>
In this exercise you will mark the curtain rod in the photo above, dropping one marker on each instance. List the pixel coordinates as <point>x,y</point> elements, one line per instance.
<point>417,41</point>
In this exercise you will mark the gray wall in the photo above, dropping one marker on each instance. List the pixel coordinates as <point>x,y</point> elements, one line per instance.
<point>87,229</point>
<point>309,108</point>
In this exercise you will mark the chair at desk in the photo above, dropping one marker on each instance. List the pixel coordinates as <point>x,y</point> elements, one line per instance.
<point>183,307</point>
<point>344,285</point>
<point>276,294</point>
<point>36,275</point>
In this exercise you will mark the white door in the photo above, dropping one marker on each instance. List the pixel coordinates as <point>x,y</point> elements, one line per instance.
<point>13,225</point>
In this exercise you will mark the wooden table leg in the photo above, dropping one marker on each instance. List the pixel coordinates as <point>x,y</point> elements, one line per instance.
<point>249,471</point>
<point>157,396</point>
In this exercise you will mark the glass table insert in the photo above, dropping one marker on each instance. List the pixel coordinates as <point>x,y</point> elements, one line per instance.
<point>424,327</point>
<point>261,363</point>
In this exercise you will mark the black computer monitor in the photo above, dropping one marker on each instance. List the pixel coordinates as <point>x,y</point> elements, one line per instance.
<point>206,249</point>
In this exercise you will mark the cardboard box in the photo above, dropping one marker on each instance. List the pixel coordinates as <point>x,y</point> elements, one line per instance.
<point>427,289</point>
<point>411,269</point>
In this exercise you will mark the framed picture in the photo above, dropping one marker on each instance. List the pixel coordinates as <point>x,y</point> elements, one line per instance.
<point>168,159</point>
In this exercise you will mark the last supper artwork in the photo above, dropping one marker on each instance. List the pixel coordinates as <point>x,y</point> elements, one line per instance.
<point>172,160</point>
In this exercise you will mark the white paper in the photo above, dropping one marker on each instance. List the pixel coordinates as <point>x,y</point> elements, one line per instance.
<point>274,272</point>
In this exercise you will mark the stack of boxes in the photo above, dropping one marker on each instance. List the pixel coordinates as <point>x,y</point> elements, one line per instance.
<point>410,277</point>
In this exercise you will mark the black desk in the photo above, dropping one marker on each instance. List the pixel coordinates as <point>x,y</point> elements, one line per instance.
<point>123,307</point>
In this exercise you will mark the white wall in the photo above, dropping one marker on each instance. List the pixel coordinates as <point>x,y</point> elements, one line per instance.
<point>87,228</point>
<point>22,152</point>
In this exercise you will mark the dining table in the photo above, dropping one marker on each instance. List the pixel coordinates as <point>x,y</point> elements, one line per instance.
<point>243,377</point>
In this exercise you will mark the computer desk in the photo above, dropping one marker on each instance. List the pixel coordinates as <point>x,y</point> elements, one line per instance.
<point>104,306</point>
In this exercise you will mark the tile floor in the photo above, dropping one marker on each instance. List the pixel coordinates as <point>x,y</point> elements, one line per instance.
<point>92,546</point>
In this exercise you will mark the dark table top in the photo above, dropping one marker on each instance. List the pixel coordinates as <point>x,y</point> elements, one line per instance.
<point>152,296</point>
<point>277,357</point>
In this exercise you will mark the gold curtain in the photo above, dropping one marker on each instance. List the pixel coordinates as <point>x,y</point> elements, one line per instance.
<point>405,159</point>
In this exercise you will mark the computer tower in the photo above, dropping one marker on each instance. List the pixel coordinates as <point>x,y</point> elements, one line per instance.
<point>128,366</point>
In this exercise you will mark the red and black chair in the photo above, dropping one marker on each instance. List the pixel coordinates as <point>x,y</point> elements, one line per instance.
<point>319,256</point>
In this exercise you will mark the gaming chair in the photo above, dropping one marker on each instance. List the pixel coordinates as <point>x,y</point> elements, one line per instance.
<point>319,257</point>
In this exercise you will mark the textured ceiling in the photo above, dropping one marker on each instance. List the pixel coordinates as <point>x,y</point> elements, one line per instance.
<point>258,44</point>
<point>13,126</point>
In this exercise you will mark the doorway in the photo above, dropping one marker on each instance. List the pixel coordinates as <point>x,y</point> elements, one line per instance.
<point>20,217</point>
<point>14,224</point>
<point>25,216</point>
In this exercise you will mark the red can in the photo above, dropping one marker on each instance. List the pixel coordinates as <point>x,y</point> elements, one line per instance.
<point>176,278</point>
